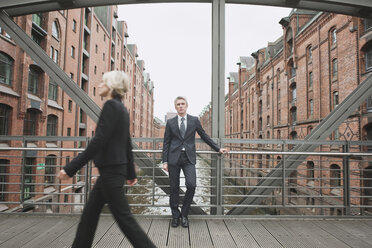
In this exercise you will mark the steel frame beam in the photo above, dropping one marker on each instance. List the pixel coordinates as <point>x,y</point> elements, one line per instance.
<point>361,8</point>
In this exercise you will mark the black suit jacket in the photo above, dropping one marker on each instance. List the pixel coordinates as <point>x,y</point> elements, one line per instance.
<point>173,141</point>
<point>111,144</point>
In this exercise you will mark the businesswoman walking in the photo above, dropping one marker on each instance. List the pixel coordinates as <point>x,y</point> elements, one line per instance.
<point>111,150</point>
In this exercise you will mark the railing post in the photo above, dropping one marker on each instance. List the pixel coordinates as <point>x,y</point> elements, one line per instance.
<point>88,178</point>
<point>22,196</point>
<point>153,171</point>
<point>346,169</point>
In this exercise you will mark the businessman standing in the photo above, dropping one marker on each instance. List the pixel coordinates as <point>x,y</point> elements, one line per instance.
<point>179,152</point>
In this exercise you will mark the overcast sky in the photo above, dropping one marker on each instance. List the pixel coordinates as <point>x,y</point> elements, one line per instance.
<point>174,40</point>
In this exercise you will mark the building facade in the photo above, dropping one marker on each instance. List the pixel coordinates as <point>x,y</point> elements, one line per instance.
<point>288,87</point>
<point>85,43</point>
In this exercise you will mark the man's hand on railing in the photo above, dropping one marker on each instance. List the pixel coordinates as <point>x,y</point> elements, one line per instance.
<point>223,151</point>
<point>132,182</point>
<point>165,167</point>
<point>62,175</point>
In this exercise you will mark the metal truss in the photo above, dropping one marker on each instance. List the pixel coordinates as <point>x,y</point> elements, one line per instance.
<point>361,8</point>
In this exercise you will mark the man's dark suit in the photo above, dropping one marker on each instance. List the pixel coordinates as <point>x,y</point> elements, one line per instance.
<point>177,159</point>
<point>111,150</point>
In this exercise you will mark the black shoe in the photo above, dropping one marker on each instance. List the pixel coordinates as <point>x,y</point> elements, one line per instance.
<point>185,222</point>
<point>175,222</point>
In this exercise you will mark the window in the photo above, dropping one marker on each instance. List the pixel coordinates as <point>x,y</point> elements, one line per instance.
<point>335,99</point>
<point>74,25</point>
<point>4,165</point>
<point>4,119</point>
<point>97,28</point>
<point>55,31</point>
<point>69,131</point>
<point>33,81</point>
<point>293,115</point>
<point>50,169</point>
<point>54,54</point>
<point>268,120</point>
<point>310,80</point>
<point>335,176</point>
<point>333,37</point>
<point>53,90</point>
<point>103,57</point>
<point>309,53</point>
<point>29,126</point>
<point>368,58</point>
<point>37,19</point>
<point>94,91</point>
<point>71,75</point>
<point>334,69</point>
<point>28,178</point>
<point>52,125</point>
<point>95,69</point>
<point>72,51</point>
<point>367,24</point>
<point>6,69</point>
<point>279,116</point>
<point>310,171</point>
<point>294,92</point>
<point>96,48</point>
<point>311,108</point>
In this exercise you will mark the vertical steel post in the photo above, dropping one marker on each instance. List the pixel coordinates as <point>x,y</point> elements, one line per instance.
<point>218,96</point>
<point>346,179</point>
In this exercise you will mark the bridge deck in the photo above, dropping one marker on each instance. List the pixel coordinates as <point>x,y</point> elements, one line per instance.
<point>58,231</point>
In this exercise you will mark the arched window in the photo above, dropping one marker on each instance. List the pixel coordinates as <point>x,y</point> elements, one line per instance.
<point>55,30</point>
<point>4,119</point>
<point>367,24</point>
<point>268,120</point>
<point>309,53</point>
<point>6,69</point>
<point>29,126</point>
<point>260,124</point>
<point>52,125</point>
<point>50,169</point>
<point>333,37</point>
<point>293,92</point>
<point>293,115</point>
<point>335,174</point>
<point>292,69</point>
<point>260,107</point>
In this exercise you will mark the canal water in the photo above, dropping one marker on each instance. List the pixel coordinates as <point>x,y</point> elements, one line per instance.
<point>202,194</point>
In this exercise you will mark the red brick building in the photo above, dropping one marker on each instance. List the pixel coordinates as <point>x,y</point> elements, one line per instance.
<point>292,84</point>
<point>85,43</point>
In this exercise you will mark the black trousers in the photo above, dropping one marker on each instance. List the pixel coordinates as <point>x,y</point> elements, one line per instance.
<point>190,177</point>
<point>109,189</point>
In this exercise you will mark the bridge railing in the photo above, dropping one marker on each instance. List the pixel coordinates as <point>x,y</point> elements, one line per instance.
<point>336,179</point>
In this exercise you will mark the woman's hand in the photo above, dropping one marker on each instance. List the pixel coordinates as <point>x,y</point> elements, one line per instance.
<point>62,175</point>
<point>132,182</point>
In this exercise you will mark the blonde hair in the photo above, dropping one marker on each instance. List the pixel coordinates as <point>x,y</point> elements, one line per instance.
<point>118,83</point>
<point>180,98</point>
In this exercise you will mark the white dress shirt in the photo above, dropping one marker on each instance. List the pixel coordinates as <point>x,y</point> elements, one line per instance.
<point>184,121</point>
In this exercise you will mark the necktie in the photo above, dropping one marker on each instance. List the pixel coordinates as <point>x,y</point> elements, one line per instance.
<point>182,127</point>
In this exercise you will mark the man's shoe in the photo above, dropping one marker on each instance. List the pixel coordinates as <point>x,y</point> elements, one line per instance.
<point>185,222</point>
<point>175,222</point>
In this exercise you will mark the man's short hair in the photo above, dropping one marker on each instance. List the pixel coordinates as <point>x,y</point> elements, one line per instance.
<point>180,98</point>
